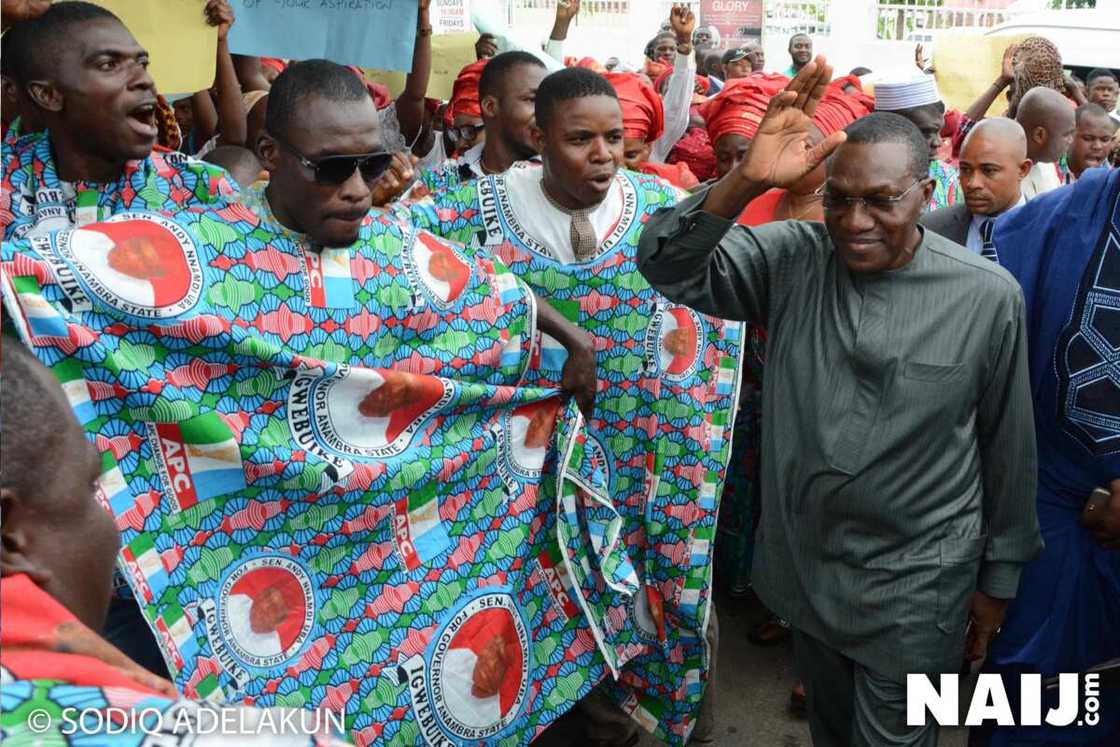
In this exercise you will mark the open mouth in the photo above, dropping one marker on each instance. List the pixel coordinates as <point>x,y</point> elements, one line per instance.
<point>602,181</point>
<point>143,119</point>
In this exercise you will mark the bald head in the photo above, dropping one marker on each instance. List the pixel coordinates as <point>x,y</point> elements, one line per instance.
<point>998,134</point>
<point>1047,119</point>
<point>992,165</point>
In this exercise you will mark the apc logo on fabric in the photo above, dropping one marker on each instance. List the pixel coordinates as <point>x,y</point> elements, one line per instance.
<point>475,675</point>
<point>267,610</point>
<point>1078,701</point>
<point>436,269</point>
<point>142,264</point>
<point>363,412</point>
<point>674,343</point>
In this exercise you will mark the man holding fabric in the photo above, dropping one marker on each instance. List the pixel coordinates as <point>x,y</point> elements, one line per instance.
<point>898,456</point>
<point>88,78</point>
<point>569,228</point>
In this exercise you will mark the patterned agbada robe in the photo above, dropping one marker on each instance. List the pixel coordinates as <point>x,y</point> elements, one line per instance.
<point>330,493</point>
<point>34,200</point>
<point>50,661</point>
<point>946,184</point>
<point>662,424</point>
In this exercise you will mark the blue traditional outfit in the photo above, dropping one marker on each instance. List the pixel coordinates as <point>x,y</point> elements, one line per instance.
<point>1064,249</point>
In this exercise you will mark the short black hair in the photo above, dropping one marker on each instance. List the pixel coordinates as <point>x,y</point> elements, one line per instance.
<point>1100,72</point>
<point>500,65</point>
<point>36,45</point>
<point>888,127</point>
<point>324,78</point>
<point>1092,110</point>
<point>857,71</point>
<point>799,33</point>
<point>32,411</point>
<point>565,85</point>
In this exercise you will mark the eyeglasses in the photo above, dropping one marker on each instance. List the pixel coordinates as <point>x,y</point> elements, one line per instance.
<point>840,203</point>
<point>464,132</point>
<point>335,170</point>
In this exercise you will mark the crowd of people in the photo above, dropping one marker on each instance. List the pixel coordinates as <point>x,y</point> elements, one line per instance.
<point>292,340</point>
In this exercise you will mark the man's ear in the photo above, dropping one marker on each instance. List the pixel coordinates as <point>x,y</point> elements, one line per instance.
<point>489,105</point>
<point>268,152</point>
<point>927,192</point>
<point>537,135</point>
<point>1039,136</point>
<point>14,539</point>
<point>45,95</point>
<point>1025,168</point>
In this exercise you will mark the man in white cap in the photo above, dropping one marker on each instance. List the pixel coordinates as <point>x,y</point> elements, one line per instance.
<point>918,100</point>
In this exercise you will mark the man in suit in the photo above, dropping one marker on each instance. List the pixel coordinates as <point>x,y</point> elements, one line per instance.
<point>992,167</point>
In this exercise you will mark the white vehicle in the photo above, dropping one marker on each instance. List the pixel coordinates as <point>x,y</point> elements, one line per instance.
<point>1086,38</point>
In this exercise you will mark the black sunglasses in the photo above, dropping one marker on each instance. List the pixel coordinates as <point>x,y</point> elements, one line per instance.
<point>464,132</point>
<point>335,170</point>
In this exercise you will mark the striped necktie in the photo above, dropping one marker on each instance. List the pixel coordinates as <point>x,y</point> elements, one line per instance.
<point>988,248</point>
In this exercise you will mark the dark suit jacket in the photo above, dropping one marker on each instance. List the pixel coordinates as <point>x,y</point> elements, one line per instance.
<point>951,222</point>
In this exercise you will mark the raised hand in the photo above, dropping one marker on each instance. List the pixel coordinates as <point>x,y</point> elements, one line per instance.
<point>395,180</point>
<point>781,153</point>
<point>486,46</point>
<point>220,14</point>
<point>566,10</point>
<point>1007,67</point>
<point>682,21</point>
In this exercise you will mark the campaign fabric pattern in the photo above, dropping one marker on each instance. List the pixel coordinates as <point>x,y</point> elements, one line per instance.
<point>331,491</point>
<point>34,199</point>
<point>669,379</point>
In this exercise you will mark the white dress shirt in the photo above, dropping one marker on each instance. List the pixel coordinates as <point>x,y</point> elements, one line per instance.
<point>974,242</point>
<point>541,220</point>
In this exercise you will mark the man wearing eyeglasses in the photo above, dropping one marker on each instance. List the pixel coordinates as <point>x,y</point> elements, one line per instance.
<point>322,147</point>
<point>898,454</point>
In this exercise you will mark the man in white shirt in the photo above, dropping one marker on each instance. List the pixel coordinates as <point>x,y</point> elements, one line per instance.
<point>992,167</point>
<point>1047,119</point>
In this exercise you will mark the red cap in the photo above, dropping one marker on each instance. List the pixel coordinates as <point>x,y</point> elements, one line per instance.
<point>643,114</point>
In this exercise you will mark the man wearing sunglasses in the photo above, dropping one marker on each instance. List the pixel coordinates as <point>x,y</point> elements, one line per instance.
<point>898,453</point>
<point>322,147</point>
